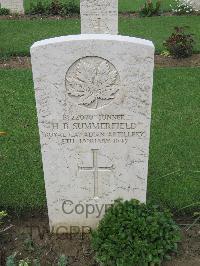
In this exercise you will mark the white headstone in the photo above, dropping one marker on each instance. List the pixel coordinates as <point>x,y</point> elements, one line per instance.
<point>93,95</point>
<point>195,4</point>
<point>15,6</point>
<point>99,16</point>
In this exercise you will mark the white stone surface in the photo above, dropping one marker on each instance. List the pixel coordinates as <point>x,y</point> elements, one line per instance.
<point>99,16</point>
<point>93,96</point>
<point>194,3</point>
<point>15,6</point>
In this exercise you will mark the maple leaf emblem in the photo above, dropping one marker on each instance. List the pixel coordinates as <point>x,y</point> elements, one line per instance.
<point>93,82</point>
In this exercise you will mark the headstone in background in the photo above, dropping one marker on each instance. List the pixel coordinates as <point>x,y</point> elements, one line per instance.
<point>195,4</point>
<point>93,95</point>
<point>99,16</point>
<point>15,6</point>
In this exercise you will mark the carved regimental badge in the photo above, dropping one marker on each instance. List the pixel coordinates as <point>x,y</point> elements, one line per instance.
<point>92,82</point>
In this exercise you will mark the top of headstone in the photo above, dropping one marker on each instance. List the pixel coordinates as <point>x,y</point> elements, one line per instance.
<point>99,16</point>
<point>82,37</point>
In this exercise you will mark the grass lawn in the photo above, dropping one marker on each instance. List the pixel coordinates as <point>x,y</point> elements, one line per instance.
<point>124,5</point>
<point>174,177</point>
<point>156,29</point>
<point>135,5</point>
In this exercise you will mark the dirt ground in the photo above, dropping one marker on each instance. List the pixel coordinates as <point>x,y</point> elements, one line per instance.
<point>57,17</point>
<point>30,238</point>
<point>163,61</point>
<point>160,61</point>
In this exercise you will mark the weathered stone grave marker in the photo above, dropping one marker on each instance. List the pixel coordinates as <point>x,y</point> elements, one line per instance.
<point>15,6</point>
<point>93,96</point>
<point>195,4</point>
<point>99,16</point>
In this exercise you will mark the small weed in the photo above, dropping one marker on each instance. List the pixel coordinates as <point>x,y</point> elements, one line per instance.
<point>63,260</point>
<point>25,262</point>
<point>165,53</point>
<point>3,214</point>
<point>29,245</point>
<point>149,10</point>
<point>10,261</point>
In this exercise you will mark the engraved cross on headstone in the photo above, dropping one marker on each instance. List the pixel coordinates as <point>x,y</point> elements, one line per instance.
<point>99,16</point>
<point>95,169</point>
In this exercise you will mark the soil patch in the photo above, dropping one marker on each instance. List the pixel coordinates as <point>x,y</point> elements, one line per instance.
<point>30,238</point>
<point>57,17</point>
<point>33,17</point>
<point>15,62</point>
<point>160,61</point>
<point>163,61</point>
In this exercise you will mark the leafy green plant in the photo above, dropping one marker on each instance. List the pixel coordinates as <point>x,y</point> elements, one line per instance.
<point>10,261</point>
<point>133,233</point>
<point>70,8</point>
<point>4,11</point>
<point>29,245</point>
<point>25,262</point>
<point>38,9</point>
<point>165,53</point>
<point>63,260</point>
<point>3,214</point>
<point>55,7</point>
<point>180,44</point>
<point>181,7</point>
<point>149,10</point>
